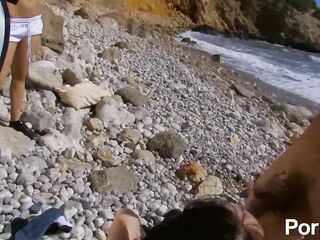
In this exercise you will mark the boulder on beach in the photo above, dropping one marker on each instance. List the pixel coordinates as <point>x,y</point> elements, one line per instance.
<point>167,144</point>
<point>52,35</point>
<point>43,74</point>
<point>112,112</point>
<point>18,143</point>
<point>131,95</point>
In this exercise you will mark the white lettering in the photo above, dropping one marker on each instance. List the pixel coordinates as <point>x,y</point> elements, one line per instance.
<point>304,229</point>
<point>289,225</point>
<point>313,228</point>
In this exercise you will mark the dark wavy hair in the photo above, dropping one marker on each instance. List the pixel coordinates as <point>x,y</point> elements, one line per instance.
<point>200,220</point>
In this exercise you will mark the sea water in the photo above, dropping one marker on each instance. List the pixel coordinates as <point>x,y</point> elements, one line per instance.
<point>286,68</point>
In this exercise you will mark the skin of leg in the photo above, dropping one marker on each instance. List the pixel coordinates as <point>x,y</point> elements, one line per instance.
<point>19,70</point>
<point>7,63</point>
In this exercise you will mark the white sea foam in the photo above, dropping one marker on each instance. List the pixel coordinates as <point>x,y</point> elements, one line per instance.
<point>289,69</point>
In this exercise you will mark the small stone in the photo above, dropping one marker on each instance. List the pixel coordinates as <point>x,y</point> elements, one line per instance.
<point>94,124</point>
<point>124,45</point>
<point>5,236</point>
<point>70,77</point>
<point>3,174</point>
<point>131,135</point>
<point>131,95</point>
<point>105,155</point>
<point>235,140</point>
<point>69,211</point>
<point>161,210</point>
<point>193,171</point>
<point>107,214</point>
<point>98,222</point>
<point>145,155</point>
<point>210,186</point>
<point>100,235</point>
<point>111,54</point>
<point>35,208</point>
<point>5,155</point>
<point>243,91</point>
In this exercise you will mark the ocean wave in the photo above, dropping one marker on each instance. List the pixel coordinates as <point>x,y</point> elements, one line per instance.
<point>314,58</point>
<point>289,70</point>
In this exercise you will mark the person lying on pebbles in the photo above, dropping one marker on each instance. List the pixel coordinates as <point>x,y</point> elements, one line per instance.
<point>283,204</point>
<point>25,29</point>
<point>285,198</point>
<point>200,219</point>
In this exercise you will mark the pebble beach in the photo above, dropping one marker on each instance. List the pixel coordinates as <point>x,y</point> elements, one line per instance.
<point>171,126</point>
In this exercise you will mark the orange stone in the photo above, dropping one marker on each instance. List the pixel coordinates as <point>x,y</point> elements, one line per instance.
<point>193,171</point>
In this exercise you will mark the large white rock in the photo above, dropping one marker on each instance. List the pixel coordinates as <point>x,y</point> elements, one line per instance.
<point>54,141</point>
<point>73,120</point>
<point>18,143</point>
<point>112,112</point>
<point>43,74</point>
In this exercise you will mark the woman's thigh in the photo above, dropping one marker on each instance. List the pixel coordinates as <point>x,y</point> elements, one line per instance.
<point>20,62</point>
<point>7,62</point>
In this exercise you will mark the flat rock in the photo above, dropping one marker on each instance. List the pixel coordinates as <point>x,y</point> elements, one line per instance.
<point>243,91</point>
<point>145,155</point>
<point>108,23</point>
<point>193,171</point>
<point>71,164</point>
<point>117,179</point>
<point>82,95</point>
<point>54,141</point>
<point>131,135</point>
<point>167,144</point>
<point>124,45</point>
<point>210,186</point>
<point>39,117</point>
<point>105,155</point>
<point>18,143</point>
<point>43,75</point>
<point>112,112</point>
<point>273,128</point>
<point>94,124</point>
<point>111,54</point>
<point>131,95</point>
<point>296,114</point>
<point>52,35</point>
<point>32,163</point>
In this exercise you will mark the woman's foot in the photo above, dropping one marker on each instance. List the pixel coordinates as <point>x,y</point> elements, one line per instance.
<point>23,128</point>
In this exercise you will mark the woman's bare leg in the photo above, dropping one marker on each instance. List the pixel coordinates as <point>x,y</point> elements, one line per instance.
<point>7,63</point>
<point>20,67</point>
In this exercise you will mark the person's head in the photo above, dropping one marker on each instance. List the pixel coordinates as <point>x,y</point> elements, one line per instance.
<point>207,219</point>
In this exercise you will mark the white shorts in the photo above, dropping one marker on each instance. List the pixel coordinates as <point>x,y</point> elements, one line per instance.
<point>21,28</point>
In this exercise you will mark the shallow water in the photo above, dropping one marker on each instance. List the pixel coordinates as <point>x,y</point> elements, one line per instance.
<point>286,68</point>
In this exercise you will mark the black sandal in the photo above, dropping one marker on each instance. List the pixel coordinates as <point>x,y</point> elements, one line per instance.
<point>23,128</point>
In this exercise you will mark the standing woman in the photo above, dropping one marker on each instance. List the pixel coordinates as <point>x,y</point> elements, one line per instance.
<point>25,29</point>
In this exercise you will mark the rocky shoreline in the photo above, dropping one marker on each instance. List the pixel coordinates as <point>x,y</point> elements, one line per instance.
<point>161,127</point>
